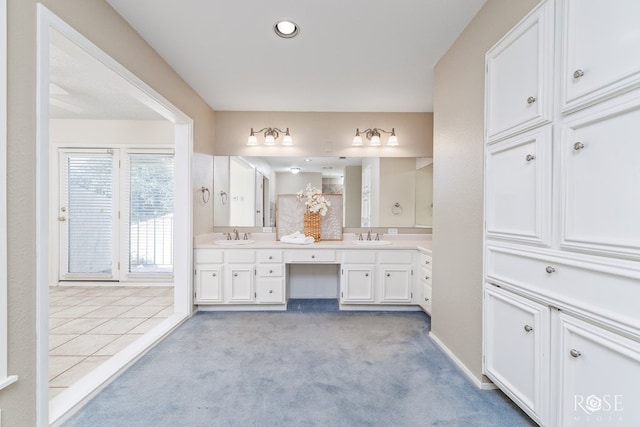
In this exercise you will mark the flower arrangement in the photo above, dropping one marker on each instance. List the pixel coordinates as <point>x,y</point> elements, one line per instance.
<point>314,201</point>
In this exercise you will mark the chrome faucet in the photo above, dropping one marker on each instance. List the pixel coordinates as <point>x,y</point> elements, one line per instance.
<point>236,234</point>
<point>369,234</point>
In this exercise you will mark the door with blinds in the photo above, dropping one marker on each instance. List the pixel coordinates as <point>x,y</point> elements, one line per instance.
<point>88,215</point>
<point>115,214</point>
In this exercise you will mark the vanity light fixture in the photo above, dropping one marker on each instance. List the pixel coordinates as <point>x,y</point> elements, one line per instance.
<point>270,136</point>
<point>295,170</point>
<point>373,135</point>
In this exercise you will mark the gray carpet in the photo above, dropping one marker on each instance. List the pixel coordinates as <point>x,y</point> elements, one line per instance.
<point>305,367</point>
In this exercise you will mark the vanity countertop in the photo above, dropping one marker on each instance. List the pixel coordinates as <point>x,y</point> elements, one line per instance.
<point>268,241</point>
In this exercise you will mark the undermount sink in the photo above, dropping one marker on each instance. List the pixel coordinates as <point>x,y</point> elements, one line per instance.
<point>233,242</point>
<point>372,242</point>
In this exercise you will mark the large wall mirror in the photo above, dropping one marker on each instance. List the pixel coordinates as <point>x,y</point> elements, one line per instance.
<point>377,191</point>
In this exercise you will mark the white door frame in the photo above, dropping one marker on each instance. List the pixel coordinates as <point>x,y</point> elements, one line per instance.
<point>183,284</point>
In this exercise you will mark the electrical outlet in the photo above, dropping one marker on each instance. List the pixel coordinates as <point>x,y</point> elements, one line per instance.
<point>267,230</point>
<point>392,231</point>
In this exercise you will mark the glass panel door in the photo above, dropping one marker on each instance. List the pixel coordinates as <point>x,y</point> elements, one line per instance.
<point>87,215</point>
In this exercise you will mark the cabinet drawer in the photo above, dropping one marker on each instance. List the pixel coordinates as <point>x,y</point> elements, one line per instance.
<point>269,256</point>
<point>270,270</point>
<point>240,256</point>
<point>270,291</point>
<point>209,256</point>
<point>425,260</point>
<point>310,255</point>
<point>602,291</point>
<point>395,257</point>
<point>359,257</point>
<point>425,276</point>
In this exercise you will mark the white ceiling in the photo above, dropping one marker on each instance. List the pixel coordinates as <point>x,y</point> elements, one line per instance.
<point>350,55</point>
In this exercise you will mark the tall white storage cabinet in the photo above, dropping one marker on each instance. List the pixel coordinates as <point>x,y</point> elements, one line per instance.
<point>562,213</point>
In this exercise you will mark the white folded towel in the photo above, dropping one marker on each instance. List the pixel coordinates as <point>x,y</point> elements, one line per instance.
<point>297,238</point>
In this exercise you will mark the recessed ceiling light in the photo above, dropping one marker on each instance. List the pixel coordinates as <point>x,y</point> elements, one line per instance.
<point>286,29</point>
<point>295,170</point>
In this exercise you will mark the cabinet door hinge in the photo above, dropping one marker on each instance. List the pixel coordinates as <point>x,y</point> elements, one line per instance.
<point>118,265</point>
<point>342,271</point>
<point>255,295</point>
<point>195,271</point>
<point>342,294</point>
<point>411,295</point>
<point>412,271</point>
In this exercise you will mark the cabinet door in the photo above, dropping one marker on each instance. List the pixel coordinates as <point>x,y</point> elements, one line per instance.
<point>209,284</point>
<point>601,42</point>
<point>601,179</point>
<point>240,283</point>
<point>516,349</point>
<point>519,76</point>
<point>357,284</point>
<point>270,290</point>
<point>518,188</point>
<point>599,373</point>
<point>395,284</point>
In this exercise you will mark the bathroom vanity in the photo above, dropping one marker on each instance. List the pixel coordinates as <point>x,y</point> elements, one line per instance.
<point>256,275</point>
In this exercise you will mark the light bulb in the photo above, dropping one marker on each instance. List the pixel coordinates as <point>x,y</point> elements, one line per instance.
<point>393,141</point>
<point>357,141</point>
<point>375,141</point>
<point>287,140</point>
<point>252,140</point>
<point>269,140</point>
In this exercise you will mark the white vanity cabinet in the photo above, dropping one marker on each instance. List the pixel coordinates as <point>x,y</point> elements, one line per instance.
<point>357,275</point>
<point>208,276</point>
<point>519,77</point>
<point>270,277</point>
<point>239,276</point>
<point>395,273</point>
<point>598,373</point>
<point>423,293</point>
<point>600,45</point>
<point>516,349</point>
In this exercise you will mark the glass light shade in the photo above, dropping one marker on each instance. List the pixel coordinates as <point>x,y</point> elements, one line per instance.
<point>375,141</point>
<point>252,140</point>
<point>269,140</point>
<point>295,170</point>
<point>287,140</point>
<point>393,141</point>
<point>357,141</point>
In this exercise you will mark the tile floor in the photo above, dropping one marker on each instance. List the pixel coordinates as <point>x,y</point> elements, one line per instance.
<point>89,324</point>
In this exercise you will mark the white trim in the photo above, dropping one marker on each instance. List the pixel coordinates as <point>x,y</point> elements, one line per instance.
<point>5,378</point>
<point>480,384</point>
<point>183,246</point>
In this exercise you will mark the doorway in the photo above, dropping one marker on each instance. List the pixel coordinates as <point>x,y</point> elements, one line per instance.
<point>49,212</point>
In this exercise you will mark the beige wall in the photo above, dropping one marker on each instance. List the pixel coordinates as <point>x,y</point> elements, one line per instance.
<point>324,134</point>
<point>458,181</point>
<point>110,133</point>
<point>397,185</point>
<point>98,22</point>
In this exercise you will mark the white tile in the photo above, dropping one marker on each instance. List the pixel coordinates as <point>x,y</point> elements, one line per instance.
<point>146,326</point>
<point>77,326</point>
<point>72,375</point>
<point>83,345</point>
<point>108,312</point>
<point>75,311</point>
<point>60,364</point>
<point>117,345</point>
<point>118,326</point>
<point>143,311</point>
<point>57,340</point>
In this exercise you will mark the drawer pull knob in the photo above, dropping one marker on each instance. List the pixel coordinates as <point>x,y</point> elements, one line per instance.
<point>550,269</point>
<point>530,157</point>
<point>366,274</point>
<point>575,353</point>
<point>270,271</point>
<point>426,277</point>
<point>578,73</point>
<point>214,274</point>
<point>427,262</point>
<point>578,146</point>
<point>531,100</point>
<point>528,328</point>
<point>426,299</point>
<point>313,256</point>
<point>235,274</point>
<point>388,274</point>
<point>270,291</point>
<point>270,257</point>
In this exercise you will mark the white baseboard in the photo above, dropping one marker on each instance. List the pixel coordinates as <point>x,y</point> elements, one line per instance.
<point>480,384</point>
